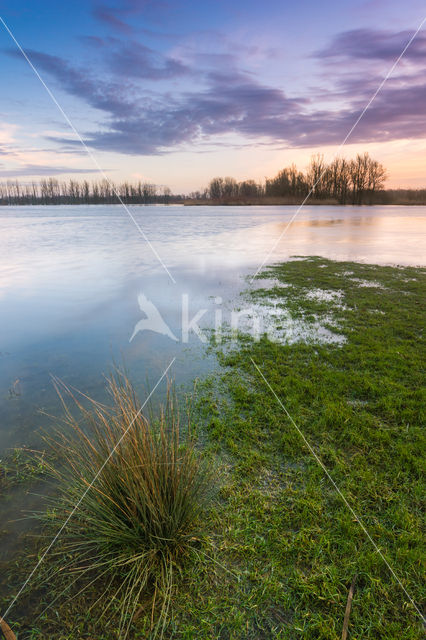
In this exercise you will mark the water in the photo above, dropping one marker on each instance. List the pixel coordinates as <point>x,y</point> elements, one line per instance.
<point>70,277</point>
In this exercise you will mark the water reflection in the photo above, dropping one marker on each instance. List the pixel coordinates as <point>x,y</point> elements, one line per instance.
<point>70,278</point>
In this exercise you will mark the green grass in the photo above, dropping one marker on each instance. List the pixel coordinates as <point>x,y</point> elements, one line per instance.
<point>284,530</point>
<point>280,547</point>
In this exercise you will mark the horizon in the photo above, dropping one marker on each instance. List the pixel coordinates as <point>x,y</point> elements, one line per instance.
<point>174,93</point>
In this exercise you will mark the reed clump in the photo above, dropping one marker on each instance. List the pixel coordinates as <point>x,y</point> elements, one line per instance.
<point>141,486</point>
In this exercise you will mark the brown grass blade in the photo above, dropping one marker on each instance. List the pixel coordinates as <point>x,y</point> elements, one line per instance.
<point>348,609</point>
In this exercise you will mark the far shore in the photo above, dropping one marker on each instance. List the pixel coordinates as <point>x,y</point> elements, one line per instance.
<point>270,201</point>
<point>224,203</point>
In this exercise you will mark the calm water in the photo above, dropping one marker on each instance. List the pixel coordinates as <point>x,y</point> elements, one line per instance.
<point>70,279</point>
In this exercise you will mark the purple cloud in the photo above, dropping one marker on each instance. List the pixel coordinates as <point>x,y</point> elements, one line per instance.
<point>234,102</point>
<point>132,59</point>
<point>109,18</point>
<point>255,111</point>
<point>106,96</point>
<point>139,61</point>
<point>147,126</point>
<point>373,44</point>
<point>41,170</point>
<point>117,17</point>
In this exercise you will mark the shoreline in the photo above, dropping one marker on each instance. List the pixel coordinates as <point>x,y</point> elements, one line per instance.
<point>297,203</point>
<point>209,203</point>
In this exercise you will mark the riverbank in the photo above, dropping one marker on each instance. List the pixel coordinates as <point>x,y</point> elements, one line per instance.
<point>241,202</point>
<point>282,547</point>
<point>405,198</point>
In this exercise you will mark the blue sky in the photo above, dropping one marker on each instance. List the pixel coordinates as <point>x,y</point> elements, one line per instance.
<point>176,92</point>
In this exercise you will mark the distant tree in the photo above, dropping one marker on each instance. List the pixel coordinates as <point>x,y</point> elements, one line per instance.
<point>167,194</point>
<point>215,189</point>
<point>377,175</point>
<point>249,189</point>
<point>278,186</point>
<point>229,188</point>
<point>317,177</point>
<point>148,192</point>
<point>85,190</point>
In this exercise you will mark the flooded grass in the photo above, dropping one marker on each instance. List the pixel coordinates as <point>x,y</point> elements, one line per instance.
<point>285,533</point>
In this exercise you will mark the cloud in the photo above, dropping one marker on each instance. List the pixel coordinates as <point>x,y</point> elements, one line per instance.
<point>132,59</point>
<point>232,104</point>
<point>7,132</point>
<point>41,170</point>
<point>141,62</point>
<point>226,100</point>
<point>116,17</point>
<point>246,108</point>
<point>107,96</point>
<point>108,17</point>
<point>373,44</point>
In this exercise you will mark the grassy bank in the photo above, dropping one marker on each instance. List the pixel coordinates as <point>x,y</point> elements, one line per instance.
<point>264,200</point>
<point>283,530</point>
<point>281,546</point>
<point>359,406</point>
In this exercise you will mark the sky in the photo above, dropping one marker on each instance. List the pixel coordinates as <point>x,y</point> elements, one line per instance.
<point>176,92</point>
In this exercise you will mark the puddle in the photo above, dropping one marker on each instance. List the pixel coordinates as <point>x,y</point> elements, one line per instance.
<point>268,283</point>
<point>367,283</point>
<point>277,323</point>
<point>325,295</point>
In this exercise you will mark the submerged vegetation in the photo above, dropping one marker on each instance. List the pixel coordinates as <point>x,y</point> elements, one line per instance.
<point>275,554</point>
<point>20,466</point>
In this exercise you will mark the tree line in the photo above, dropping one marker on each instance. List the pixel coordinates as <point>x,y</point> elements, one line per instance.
<point>52,191</point>
<point>357,181</point>
<point>353,181</point>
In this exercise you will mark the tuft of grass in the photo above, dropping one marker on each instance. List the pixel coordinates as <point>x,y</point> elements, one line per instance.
<point>140,518</point>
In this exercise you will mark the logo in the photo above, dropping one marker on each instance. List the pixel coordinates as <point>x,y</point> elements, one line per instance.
<point>153,321</point>
<point>250,320</point>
